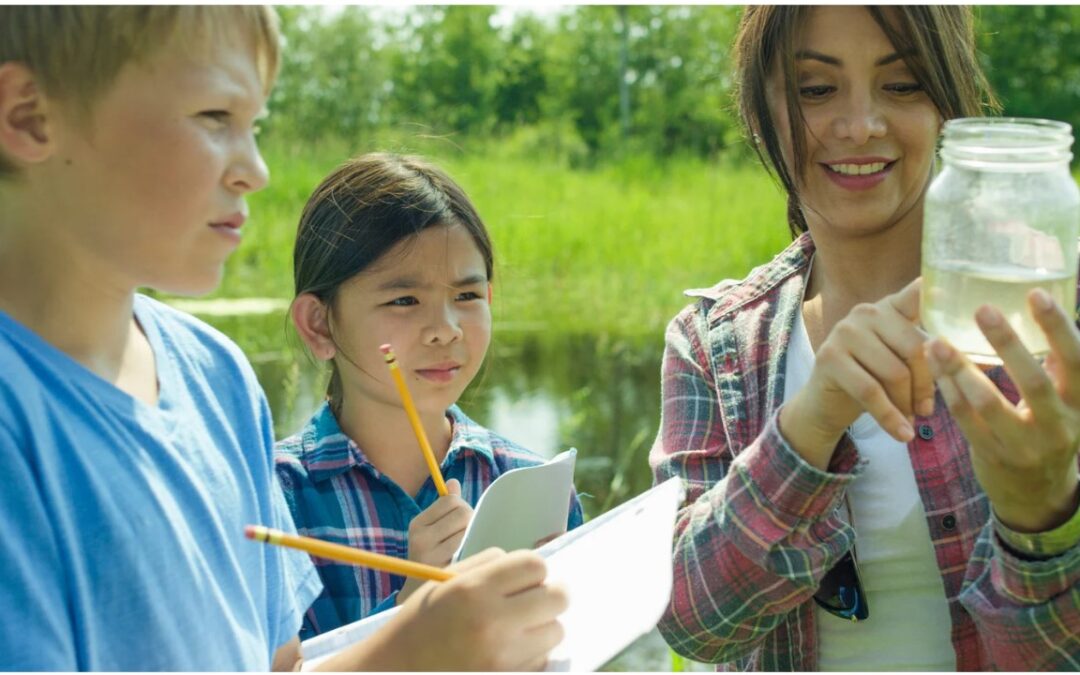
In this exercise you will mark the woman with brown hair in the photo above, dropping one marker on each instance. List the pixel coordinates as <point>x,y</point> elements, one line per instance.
<point>799,403</point>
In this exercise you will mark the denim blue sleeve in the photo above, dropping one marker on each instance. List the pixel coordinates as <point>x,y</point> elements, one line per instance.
<point>576,516</point>
<point>35,629</point>
<point>294,577</point>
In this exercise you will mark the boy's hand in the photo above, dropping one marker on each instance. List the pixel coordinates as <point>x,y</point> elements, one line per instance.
<point>436,533</point>
<point>497,614</point>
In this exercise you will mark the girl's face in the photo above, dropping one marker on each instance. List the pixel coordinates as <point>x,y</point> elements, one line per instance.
<point>870,128</point>
<point>428,298</point>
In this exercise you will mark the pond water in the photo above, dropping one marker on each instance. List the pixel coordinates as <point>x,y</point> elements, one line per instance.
<point>598,393</point>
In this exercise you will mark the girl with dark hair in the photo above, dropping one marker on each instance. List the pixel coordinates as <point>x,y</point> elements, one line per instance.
<point>841,513</point>
<point>390,250</point>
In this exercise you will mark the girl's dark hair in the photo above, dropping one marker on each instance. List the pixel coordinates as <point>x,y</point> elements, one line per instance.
<point>362,210</point>
<point>937,43</point>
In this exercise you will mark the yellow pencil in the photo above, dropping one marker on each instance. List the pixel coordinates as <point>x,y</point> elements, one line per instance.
<point>347,554</point>
<point>414,419</point>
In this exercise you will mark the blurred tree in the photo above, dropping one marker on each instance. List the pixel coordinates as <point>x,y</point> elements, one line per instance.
<point>522,79</point>
<point>582,60</point>
<point>445,67</point>
<point>585,78</point>
<point>682,92</point>
<point>332,79</point>
<point>1032,57</point>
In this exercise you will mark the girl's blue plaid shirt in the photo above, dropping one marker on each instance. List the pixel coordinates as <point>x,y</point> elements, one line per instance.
<point>336,494</point>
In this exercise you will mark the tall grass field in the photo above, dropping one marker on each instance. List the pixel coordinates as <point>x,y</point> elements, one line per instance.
<point>608,249</point>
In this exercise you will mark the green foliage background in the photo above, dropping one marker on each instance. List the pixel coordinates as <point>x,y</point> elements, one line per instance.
<point>550,83</point>
<point>597,227</point>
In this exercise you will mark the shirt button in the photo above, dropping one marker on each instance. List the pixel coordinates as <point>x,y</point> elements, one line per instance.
<point>949,522</point>
<point>926,432</point>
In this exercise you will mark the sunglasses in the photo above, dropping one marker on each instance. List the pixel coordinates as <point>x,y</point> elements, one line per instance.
<point>841,593</point>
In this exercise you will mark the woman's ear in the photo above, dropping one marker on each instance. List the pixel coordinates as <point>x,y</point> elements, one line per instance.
<point>312,320</point>
<point>24,116</point>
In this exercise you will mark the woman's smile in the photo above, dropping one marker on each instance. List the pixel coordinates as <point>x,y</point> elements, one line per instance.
<point>858,173</point>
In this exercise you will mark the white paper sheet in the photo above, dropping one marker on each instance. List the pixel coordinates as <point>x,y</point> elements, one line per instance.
<point>521,507</point>
<point>616,569</point>
<point>322,647</point>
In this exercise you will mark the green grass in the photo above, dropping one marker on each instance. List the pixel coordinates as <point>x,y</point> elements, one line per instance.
<point>579,250</point>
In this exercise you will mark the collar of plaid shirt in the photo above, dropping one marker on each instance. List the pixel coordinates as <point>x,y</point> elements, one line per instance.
<point>326,451</point>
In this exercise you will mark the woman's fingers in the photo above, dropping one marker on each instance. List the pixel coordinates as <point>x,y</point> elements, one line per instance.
<point>887,342</point>
<point>861,386</point>
<point>1026,372</point>
<point>978,392</point>
<point>945,363</point>
<point>885,366</point>
<point>1064,340</point>
<point>905,338</point>
<point>909,345</point>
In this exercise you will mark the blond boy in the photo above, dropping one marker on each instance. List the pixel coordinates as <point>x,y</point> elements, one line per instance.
<point>136,439</point>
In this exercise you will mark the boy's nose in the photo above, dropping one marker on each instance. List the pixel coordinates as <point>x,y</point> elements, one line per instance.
<point>248,171</point>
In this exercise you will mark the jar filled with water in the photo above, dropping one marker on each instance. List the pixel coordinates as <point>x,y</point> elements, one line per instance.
<point>1002,217</point>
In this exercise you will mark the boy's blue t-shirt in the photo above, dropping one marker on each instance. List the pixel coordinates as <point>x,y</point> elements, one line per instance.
<point>121,524</point>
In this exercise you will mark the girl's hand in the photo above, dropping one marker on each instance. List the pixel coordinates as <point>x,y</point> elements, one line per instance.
<point>1024,456</point>
<point>437,532</point>
<point>872,360</point>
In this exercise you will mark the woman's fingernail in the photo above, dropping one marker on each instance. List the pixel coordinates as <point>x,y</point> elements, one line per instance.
<point>1042,300</point>
<point>988,316</point>
<point>926,407</point>
<point>907,432</point>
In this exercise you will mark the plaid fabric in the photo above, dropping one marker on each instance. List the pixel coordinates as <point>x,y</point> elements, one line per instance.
<point>760,527</point>
<point>336,494</point>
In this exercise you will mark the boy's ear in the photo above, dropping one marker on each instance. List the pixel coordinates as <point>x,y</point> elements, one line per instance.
<point>312,321</point>
<point>24,129</point>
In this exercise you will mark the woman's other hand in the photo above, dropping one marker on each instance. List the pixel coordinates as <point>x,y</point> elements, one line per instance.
<point>1024,456</point>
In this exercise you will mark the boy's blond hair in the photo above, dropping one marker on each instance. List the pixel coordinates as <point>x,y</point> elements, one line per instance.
<point>76,52</point>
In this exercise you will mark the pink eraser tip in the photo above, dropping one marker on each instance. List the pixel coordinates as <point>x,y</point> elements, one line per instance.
<point>249,531</point>
<point>385,349</point>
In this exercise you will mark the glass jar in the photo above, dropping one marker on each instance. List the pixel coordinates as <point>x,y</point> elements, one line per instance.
<point>1001,218</point>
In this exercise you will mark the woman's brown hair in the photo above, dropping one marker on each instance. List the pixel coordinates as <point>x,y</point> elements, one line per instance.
<point>936,42</point>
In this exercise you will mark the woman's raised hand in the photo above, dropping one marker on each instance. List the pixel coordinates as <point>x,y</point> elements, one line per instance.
<point>873,361</point>
<point>1024,456</point>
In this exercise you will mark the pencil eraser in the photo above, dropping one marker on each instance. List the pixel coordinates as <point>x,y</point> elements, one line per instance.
<point>249,531</point>
<point>385,349</point>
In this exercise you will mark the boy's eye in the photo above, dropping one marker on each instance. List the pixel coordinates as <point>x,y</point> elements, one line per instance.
<point>406,301</point>
<point>218,116</point>
<point>904,88</point>
<point>469,295</point>
<point>815,91</point>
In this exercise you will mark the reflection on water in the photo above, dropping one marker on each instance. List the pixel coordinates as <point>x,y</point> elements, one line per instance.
<point>598,393</point>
